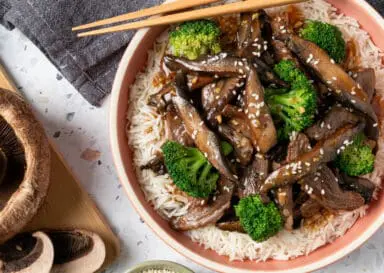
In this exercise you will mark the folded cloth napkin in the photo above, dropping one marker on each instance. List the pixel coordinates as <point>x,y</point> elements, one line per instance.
<point>88,63</point>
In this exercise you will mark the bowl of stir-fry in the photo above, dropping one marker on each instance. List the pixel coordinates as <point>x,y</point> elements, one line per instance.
<point>253,142</point>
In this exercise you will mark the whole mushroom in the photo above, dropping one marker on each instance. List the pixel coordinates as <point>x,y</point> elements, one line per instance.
<point>24,162</point>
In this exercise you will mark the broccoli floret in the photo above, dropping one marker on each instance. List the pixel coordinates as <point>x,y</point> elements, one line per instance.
<point>326,36</point>
<point>259,220</point>
<point>357,158</point>
<point>296,108</point>
<point>189,169</point>
<point>195,38</point>
<point>226,148</point>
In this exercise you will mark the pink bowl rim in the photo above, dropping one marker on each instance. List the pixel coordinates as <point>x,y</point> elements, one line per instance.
<point>118,87</point>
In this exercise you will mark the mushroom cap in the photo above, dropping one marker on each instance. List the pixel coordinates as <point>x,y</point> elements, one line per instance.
<point>77,251</point>
<point>24,203</point>
<point>28,254</point>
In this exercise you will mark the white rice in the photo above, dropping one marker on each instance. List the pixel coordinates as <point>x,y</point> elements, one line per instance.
<point>146,134</point>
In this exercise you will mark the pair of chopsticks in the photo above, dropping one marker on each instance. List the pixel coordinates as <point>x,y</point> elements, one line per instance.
<point>237,7</point>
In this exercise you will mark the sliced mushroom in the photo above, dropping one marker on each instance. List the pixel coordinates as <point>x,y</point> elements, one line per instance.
<point>360,185</point>
<point>284,195</point>
<point>253,178</point>
<point>336,118</point>
<point>77,251</point>
<point>222,65</point>
<point>264,135</point>
<point>216,96</point>
<point>266,74</point>
<point>210,213</point>
<point>366,77</point>
<point>324,187</point>
<point>199,80</point>
<point>324,151</point>
<point>22,194</point>
<point>27,253</point>
<point>242,145</point>
<point>231,226</point>
<point>175,128</point>
<point>206,140</point>
<point>310,208</point>
<point>163,98</point>
<point>331,74</point>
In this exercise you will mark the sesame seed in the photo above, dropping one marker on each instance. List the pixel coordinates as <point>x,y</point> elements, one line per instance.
<point>321,151</point>
<point>322,192</point>
<point>375,125</point>
<point>332,61</point>
<point>334,78</point>
<point>329,126</point>
<point>322,124</point>
<point>235,176</point>
<point>284,31</point>
<point>353,101</point>
<point>282,27</point>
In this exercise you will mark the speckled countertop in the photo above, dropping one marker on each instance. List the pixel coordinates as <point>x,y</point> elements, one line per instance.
<point>80,131</point>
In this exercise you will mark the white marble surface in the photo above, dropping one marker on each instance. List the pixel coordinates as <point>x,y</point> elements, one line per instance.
<point>82,126</point>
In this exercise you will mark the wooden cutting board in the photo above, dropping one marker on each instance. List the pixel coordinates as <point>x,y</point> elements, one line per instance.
<point>67,204</point>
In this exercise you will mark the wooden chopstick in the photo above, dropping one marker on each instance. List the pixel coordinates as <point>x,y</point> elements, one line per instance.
<point>243,6</point>
<point>164,8</point>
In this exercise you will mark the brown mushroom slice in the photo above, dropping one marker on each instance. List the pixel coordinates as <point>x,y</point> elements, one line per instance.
<point>243,148</point>
<point>250,42</point>
<point>336,118</point>
<point>366,77</point>
<point>310,208</point>
<point>216,96</point>
<point>156,165</point>
<point>175,129</point>
<point>221,64</point>
<point>199,80</point>
<point>323,186</point>
<point>253,178</point>
<point>264,135</point>
<point>237,120</point>
<point>27,253</point>
<point>206,140</point>
<point>77,251</point>
<point>324,151</point>
<point>331,74</point>
<point>266,73</point>
<point>284,195</point>
<point>163,98</point>
<point>361,185</point>
<point>22,197</point>
<point>233,226</point>
<point>210,213</point>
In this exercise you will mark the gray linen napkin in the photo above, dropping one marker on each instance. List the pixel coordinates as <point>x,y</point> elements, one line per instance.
<point>88,63</point>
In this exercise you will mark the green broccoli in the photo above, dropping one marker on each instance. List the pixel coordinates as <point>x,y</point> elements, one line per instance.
<point>226,148</point>
<point>195,38</point>
<point>356,159</point>
<point>326,36</point>
<point>189,169</point>
<point>259,220</point>
<point>296,108</point>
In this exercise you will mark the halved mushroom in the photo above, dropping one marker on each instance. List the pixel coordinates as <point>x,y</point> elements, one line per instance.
<point>77,251</point>
<point>27,253</point>
<point>26,182</point>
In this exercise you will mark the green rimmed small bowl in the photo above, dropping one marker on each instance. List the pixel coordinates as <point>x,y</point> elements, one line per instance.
<point>159,265</point>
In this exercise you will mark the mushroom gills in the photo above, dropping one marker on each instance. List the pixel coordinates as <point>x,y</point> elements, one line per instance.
<point>77,251</point>
<point>12,161</point>
<point>27,253</point>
